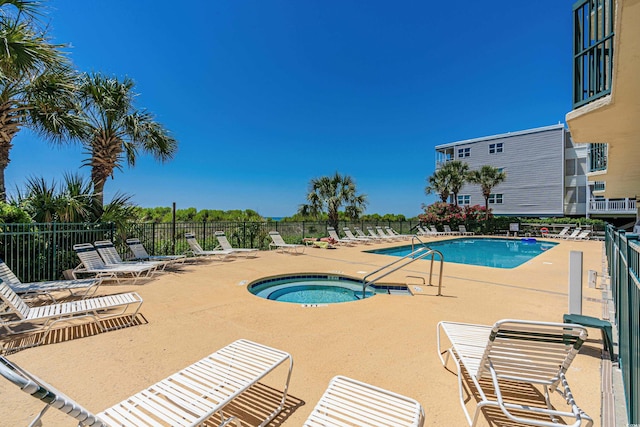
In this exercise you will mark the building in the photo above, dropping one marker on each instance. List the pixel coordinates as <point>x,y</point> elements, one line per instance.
<point>546,172</point>
<point>606,104</point>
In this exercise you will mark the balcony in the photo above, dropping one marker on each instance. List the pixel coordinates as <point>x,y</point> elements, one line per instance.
<point>612,207</point>
<point>592,50</point>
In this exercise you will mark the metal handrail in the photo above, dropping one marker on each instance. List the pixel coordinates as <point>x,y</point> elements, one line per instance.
<point>413,256</point>
<point>415,237</point>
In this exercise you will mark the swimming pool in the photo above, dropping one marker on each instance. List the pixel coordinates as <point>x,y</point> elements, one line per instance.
<point>486,252</point>
<point>318,289</point>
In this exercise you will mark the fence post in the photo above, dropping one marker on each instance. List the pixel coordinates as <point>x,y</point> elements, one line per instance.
<point>153,239</point>
<point>54,261</point>
<point>204,231</point>
<point>173,229</point>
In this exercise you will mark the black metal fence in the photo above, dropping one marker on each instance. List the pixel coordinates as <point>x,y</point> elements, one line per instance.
<point>43,251</point>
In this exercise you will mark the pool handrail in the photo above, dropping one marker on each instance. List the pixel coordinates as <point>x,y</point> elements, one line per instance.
<point>366,283</point>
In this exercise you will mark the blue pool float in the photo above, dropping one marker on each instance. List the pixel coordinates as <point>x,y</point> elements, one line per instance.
<point>528,240</point>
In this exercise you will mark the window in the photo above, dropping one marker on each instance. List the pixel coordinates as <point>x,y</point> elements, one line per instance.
<point>597,157</point>
<point>464,152</point>
<point>582,166</point>
<point>570,167</point>
<point>495,199</point>
<point>496,148</point>
<point>464,200</point>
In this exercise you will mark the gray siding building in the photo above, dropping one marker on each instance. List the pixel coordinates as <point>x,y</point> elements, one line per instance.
<point>546,172</point>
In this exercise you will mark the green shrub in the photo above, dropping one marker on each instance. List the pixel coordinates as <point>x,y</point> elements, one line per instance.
<point>11,214</point>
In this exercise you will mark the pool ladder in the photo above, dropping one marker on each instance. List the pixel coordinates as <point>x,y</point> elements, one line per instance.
<point>415,255</point>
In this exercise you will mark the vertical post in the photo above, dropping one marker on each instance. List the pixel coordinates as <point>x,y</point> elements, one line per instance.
<point>53,266</point>
<point>173,229</point>
<point>575,282</point>
<point>153,240</point>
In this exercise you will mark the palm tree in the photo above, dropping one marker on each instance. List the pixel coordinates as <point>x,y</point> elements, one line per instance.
<point>438,184</point>
<point>457,172</point>
<point>328,194</point>
<point>36,81</point>
<point>487,177</point>
<point>72,201</point>
<point>115,132</point>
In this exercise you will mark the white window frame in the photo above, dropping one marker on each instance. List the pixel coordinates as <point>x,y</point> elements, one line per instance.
<point>464,152</point>
<point>497,147</point>
<point>496,199</point>
<point>464,200</point>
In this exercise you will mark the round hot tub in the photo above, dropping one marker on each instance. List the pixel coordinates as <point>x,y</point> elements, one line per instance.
<point>316,289</point>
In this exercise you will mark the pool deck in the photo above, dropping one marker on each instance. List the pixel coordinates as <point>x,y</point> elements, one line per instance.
<point>387,340</point>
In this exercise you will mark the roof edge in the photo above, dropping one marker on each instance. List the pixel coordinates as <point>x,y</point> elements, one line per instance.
<point>502,135</point>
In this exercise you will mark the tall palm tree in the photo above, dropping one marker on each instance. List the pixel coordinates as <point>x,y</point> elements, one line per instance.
<point>328,194</point>
<point>457,173</point>
<point>36,81</point>
<point>115,131</point>
<point>438,184</point>
<point>487,177</point>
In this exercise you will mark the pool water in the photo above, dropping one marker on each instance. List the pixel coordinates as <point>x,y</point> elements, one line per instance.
<point>486,252</point>
<point>318,289</point>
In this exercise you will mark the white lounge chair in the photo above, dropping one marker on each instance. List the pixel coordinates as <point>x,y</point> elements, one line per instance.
<point>110,256</point>
<point>141,254</point>
<point>197,250</point>
<point>85,287</point>
<point>91,263</point>
<point>435,232</point>
<point>347,402</point>
<point>278,243</point>
<point>371,236</point>
<point>449,231</point>
<point>334,235</point>
<point>226,246</point>
<point>511,352</point>
<point>187,398</point>
<point>583,235</point>
<point>560,235</point>
<point>357,239</point>
<point>381,238</point>
<point>463,230</point>
<point>18,317</point>
<point>391,232</point>
<point>573,234</point>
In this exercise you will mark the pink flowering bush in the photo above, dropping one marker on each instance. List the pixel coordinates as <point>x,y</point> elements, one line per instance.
<point>440,213</point>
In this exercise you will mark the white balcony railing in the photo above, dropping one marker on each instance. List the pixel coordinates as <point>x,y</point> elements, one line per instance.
<point>619,206</point>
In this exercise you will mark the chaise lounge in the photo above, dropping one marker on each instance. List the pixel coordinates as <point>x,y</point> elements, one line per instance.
<point>187,398</point>
<point>91,263</point>
<point>140,253</point>
<point>84,287</point>
<point>197,250</point>
<point>226,246</point>
<point>17,317</point>
<point>278,243</point>
<point>525,353</point>
<point>348,402</point>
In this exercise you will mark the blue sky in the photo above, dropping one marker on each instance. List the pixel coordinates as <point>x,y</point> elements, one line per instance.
<point>263,95</point>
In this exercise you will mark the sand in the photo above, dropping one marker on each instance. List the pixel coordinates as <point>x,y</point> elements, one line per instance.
<point>387,340</point>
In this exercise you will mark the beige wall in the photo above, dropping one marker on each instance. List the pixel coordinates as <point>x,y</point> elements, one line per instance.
<point>615,119</point>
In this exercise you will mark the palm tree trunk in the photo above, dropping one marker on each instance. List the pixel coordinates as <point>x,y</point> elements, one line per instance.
<point>8,129</point>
